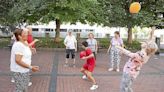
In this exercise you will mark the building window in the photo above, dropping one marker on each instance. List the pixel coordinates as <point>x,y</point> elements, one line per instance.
<point>63,30</point>
<point>35,29</point>
<point>76,30</point>
<point>48,30</point>
<point>52,30</point>
<point>89,30</point>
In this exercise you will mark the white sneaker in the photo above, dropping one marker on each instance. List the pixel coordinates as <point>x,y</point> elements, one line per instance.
<point>110,69</point>
<point>12,80</point>
<point>74,66</point>
<point>29,84</point>
<point>66,65</point>
<point>84,77</point>
<point>117,70</point>
<point>94,87</point>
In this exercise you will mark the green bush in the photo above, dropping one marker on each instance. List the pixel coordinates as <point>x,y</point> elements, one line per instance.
<point>136,45</point>
<point>4,42</point>
<point>103,42</point>
<point>48,43</point>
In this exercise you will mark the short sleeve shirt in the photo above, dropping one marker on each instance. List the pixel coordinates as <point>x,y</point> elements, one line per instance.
<point>92,44</point>
<point>115,41</point>
<point>20,49</point>
<point>70,42</point>
<point>90,61</point>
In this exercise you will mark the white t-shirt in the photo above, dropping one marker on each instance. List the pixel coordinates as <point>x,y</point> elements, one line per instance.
<point>21,49</point>
<point>92,44</point>
<point>70,42</point>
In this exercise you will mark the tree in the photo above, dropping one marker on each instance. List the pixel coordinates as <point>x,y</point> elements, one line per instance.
<point>117,14</point>
<point>72,11</point>
<point>112,13</point>
<point>5,6</point>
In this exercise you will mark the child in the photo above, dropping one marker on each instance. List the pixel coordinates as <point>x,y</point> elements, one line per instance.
<point>88,68</point>
<point>132,67</point>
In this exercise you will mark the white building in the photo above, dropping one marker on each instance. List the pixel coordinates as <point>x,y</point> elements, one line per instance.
<point>83,29</point>
<point>40,30</point>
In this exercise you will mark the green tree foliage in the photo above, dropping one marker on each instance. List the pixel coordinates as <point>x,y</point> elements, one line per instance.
<point>116,13</point>
<point>72,11</point>
<point>112,13</point>
<point>5,6</point>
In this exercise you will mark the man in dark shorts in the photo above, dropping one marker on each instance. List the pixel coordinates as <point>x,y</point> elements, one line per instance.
<point>89,66</point>
<point>71,47</point>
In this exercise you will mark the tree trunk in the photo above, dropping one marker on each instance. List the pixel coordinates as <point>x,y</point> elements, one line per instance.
<point>57,35</point>
<point>129,35</point>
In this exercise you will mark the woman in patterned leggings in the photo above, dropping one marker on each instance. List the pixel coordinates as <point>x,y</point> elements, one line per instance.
<point>114,52</point>
<point>21,61</point>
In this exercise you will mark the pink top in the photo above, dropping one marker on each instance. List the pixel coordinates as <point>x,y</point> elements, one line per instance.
<point>134,64</point>
<point>115,41</point>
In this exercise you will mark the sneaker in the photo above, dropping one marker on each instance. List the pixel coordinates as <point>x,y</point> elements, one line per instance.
<point>94,87</point>
<point>117,70</point>
<point>65,65</point>
<point>110,69</point>
<point>29,84</point>
<point>84,77</point>
<point>12,80</point>
<point>74,66</point>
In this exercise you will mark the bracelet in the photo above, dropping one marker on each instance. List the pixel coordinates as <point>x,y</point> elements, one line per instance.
<point>30,67</point>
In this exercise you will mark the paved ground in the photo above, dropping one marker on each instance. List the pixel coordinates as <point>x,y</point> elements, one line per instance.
<point>53,77</point>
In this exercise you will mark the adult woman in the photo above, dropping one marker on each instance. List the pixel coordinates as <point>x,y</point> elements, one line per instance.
<point>92,44</point>
<point>70,43</point>
<point>21,61</point>
<point>114,52</point>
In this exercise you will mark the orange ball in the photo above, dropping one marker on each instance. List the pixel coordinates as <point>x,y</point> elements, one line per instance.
<point>82,54</point>
<point>135,7</point>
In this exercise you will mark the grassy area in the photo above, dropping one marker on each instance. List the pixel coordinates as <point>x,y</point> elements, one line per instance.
<point>4,42</point>
<point>104,42</point>
<point>162,50</point>
<point>48,43</point>
<point>136,45</point>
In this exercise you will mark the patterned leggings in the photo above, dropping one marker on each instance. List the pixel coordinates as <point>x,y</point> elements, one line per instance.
<point>126,83</point>
<point>115,57</point>
<point>21,81</point>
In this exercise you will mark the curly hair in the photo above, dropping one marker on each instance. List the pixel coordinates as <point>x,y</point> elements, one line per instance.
<point>151,48</point>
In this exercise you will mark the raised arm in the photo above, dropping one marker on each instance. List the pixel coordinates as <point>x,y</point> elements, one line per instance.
<point>33,42</point>
<point>126,52</point>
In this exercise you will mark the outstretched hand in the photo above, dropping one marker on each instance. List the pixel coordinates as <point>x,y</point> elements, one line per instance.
<point>36,40</point>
